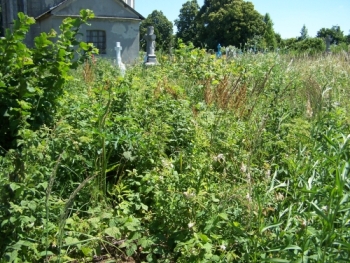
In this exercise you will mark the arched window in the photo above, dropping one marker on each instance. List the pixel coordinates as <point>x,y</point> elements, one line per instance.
<point>98,38</point>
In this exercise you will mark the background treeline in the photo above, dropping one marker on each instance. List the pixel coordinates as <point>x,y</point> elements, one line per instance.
<point>234,23</point>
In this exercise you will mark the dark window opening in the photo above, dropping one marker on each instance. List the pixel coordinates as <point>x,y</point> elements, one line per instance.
<point>98,38</point>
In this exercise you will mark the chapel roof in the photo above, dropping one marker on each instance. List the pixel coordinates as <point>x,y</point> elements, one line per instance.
<point>48,12</point>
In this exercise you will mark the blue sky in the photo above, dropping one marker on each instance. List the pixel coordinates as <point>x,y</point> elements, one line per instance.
<point>288,16</point>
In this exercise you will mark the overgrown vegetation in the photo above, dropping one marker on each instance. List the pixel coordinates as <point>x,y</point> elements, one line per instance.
<point>196,160</point>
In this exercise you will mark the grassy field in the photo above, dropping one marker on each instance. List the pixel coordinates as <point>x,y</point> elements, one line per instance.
<point>195,160</point>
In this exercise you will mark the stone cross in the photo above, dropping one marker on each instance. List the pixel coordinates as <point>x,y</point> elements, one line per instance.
<point>150,37</point>
<point>228,52</point>
<point>120,64</point>
<point>328,43</point>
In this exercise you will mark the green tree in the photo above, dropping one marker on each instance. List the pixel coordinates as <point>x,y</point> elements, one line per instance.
<point>1,30</point>
<point>187,25</point>
<point>229,22</point>
<point>335,33</point>
<point>303,33</point>
<point>308,45</point>
<point>163,29</point>
<point>278,38</point>
<point>256,43</point>
<point>348,38</point>
<point>269,35</point>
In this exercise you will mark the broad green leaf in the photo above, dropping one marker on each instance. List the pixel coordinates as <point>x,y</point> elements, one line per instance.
<point>203,237</point>
<point>32,205</point>
<point>43,185</point>
<point>14,186</point>
<point>86,251</point>
<point>144,207</point>
<point>30,89</point>
<point>207,247</point>
<point>131,249</point>
<point>106,215</point>
<point>215,258</point>
<point>214,199</point>
<point>223,216</point>
<point>71,241</point>
<point>84,46</point>
<point>28,61</point>
<point>311,231</point>
<point>145,242</point>
<point>70,221</point>
<point>24,105</point>
<point>12,256</point>
<point>113,232</point>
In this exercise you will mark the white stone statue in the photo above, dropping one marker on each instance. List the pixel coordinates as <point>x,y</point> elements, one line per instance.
<point>120,64</point>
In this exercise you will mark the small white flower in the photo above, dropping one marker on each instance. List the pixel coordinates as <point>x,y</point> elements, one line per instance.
<point>190,224</point>
<point>223,247</point>
<point>243,168</point>
<point>188,195</point>
<point>167,164</point>
<point>248,197</point>
<point>220,157</point>
<point>303,223</point>
<point>279,197</point>
<point>249,177</point>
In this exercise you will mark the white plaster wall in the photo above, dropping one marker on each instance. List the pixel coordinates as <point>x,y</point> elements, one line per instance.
<point>125,32</point>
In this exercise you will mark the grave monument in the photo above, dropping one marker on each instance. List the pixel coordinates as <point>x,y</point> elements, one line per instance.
<point>328,43</point>
<point>120,64</point>
<point>218,54</point>
<point>150,37</point>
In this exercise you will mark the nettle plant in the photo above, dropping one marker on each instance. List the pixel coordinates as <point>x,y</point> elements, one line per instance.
<point>31,79</point>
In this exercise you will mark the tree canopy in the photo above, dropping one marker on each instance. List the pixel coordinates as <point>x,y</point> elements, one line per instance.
<point>229,22</point>
<point>163,29</point>
<point>348,38</point>
<point>269,35</point>
<point>304,33</point>
<point>187,24</point>
<point>334,32</point>
<point>1,29</point>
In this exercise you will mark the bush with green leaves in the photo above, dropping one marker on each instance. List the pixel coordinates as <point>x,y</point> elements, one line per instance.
<point>300,46</point>
<point>31,79</point>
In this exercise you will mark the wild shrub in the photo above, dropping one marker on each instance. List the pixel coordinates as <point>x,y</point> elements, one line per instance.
<point>32,78</point>
<point>31,83</point>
